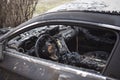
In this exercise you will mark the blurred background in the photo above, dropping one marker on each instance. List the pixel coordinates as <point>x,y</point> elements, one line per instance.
<point>15,12</point>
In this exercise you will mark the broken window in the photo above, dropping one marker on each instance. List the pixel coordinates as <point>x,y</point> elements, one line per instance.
<point>80,46</point>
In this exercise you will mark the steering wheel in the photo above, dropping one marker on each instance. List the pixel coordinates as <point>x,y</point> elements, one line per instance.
<point>46,47</point>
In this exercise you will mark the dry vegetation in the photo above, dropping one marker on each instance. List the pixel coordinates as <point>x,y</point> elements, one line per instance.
<point>15,12</point>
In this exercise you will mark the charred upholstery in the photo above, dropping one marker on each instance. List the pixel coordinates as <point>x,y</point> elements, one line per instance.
<point>72,45</point>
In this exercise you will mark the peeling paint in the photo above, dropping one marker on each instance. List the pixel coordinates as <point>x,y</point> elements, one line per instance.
<point>14,67</point>
<point>17,63</point>
<point>24,63</point>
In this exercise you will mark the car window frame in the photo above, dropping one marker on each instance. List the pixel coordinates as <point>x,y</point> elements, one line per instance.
<point>51,22</point>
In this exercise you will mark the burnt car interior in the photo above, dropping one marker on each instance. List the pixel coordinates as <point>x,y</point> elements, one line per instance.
<point>79,46</point>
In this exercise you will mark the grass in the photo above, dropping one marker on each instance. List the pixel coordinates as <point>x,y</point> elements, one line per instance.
<point>45,5</point>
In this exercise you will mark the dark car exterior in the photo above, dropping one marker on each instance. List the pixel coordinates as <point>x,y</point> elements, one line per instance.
<point>33,68</point>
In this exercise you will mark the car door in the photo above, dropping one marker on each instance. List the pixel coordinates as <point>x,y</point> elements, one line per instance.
<point>30,67</point>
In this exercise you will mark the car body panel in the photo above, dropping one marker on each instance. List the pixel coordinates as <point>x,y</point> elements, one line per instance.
<point>36,69</point>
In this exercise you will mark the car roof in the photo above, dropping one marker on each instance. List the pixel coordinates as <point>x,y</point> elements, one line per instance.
<point>99,19</point>
<point>90,16</point>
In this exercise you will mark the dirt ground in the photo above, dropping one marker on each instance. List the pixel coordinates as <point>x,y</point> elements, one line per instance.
<point>45,5</point>
<point>96,5</point>
<point>55,5</point>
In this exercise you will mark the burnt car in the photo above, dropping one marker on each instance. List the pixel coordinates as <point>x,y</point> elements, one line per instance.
<point>63,45</point>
